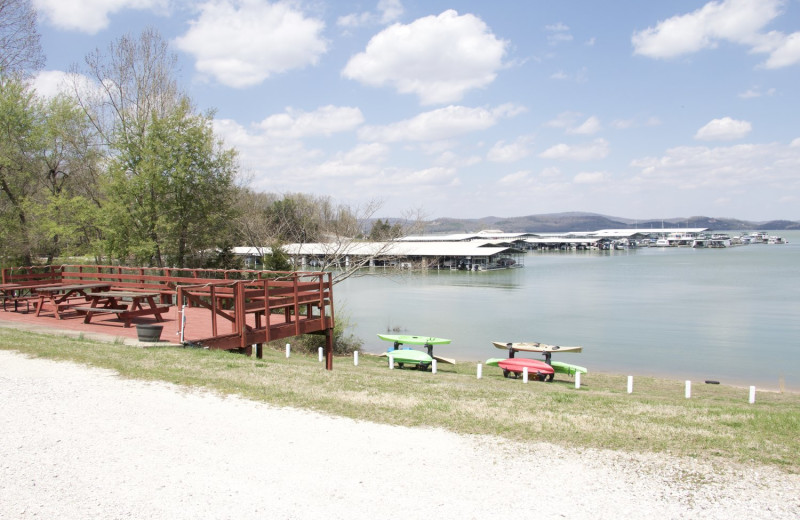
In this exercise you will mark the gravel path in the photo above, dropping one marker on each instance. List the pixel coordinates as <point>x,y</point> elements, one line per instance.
<point>81,443</point>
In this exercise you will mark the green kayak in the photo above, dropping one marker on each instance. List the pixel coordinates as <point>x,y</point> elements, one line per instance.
<point>493,362</point>
<point>566,368</point>
<point>410,357</point>
<point>413,340</point>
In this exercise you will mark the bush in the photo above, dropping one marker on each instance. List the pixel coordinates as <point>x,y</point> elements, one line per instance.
<point>344,343</point>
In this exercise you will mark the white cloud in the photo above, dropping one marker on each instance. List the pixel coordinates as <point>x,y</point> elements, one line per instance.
<point>795,143</point>
<point>723,129</point>
<point>467,57</point>
<point>590,177</point>
<point>737,21</point>
<point>570,122</point>
<point>588,127</point>
<point>240,43</point>
<point>623,124</point>
<point>325,120</point>
<point>387,11</point>
<point>786,53</point>
<point>597,149</point>
<point>564,120</point>
<point>511,152</point>
<point>516,178</point>
<point>550,172</point>
<point>90,16</point>
<point>50,83</point>
<point>442,123</point>
<point>558,33</point>
<point>740,165</point>
<point>362,161</point>
<point>756,92</point>
<point>559,75</point>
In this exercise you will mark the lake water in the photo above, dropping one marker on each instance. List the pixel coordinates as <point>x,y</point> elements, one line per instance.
<point>731,315</point>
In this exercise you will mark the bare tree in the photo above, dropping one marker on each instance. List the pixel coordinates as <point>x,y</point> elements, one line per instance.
<point>20,49</point>
<point>333,234</point>
<point>135,84</point>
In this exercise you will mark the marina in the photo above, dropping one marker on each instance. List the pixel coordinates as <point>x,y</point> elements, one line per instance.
<point>728,315</point>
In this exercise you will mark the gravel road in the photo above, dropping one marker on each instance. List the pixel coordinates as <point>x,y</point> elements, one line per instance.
<point>83,443</point>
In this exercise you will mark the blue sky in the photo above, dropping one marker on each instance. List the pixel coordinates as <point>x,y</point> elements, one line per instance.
<point>470,108</point>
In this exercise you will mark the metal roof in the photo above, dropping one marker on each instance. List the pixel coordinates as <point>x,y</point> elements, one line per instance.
<point>405,249</point>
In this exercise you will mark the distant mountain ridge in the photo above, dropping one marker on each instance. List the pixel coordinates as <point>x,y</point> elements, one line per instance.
<point>577,221</point>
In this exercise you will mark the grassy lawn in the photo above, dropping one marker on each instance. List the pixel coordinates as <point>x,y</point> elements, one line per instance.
<point>716,423</point>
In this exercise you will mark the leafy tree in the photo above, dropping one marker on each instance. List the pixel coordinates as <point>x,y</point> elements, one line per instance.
<point>20,140</point>
<point>48,193</point>
<point>172,191</point>
<point>381,230</point>
<point>170,182</point>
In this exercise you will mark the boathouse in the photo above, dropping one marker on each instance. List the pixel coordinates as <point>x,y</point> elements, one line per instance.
<point>472,255</point>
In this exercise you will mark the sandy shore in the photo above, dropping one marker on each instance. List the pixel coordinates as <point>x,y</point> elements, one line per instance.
<point>78,442</point>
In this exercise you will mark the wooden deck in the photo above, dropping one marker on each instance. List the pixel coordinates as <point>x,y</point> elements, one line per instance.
<point>227,310</point>
<point>198,324</point>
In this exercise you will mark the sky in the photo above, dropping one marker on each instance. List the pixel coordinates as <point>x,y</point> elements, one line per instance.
<point>468,109</point>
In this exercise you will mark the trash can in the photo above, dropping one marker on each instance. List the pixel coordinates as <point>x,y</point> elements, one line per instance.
<point>149,333</point>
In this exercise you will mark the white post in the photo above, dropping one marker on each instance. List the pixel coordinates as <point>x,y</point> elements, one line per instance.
<point>183,321</point>
<point>524,374</point>
<point>688,389</point>
<point>433,366</point>
<point>355,358</point>
<point>480,370</point>
<point>577,380</point>
<point>391,362</point>
<point>752,394</point>
<point>630,384</point>
<point>320,354</point>
<point>288,350</point>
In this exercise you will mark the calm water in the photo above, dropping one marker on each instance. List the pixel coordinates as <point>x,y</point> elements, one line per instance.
<point>731,315</point>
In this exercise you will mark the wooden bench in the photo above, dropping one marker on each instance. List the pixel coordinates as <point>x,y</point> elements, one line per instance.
<point>124,314</point>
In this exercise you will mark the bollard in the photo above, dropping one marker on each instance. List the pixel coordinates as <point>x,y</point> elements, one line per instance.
<point>752,394</point>
<point>355,358</point>
<point>320,354</point>
<point>391,362</point>
<point>688,389</point>
<point>630,384</point>
<point>288,350</point>
<point>524,374</point>
<point>577,380</point>
<point>480,370</point>
<point>433,366</point>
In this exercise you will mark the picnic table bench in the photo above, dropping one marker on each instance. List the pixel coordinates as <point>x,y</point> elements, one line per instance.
<point>111,302</point>
<point>21,292</point>
<point>59,295</point>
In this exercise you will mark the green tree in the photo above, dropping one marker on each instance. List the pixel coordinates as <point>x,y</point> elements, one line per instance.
<point>171,192</point>
<point>170,182</point>
<point>69,202</point>
<point>21,138</point>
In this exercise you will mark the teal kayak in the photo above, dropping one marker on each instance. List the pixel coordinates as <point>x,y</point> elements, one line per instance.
<point>566,368</point>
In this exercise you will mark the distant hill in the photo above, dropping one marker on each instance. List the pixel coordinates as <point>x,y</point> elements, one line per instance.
<point>575,221</point>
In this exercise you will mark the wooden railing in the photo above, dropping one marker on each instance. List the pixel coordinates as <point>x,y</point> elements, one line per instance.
<point>284,304</point>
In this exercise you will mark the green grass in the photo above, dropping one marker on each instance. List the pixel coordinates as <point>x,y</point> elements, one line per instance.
<point>717,423</point>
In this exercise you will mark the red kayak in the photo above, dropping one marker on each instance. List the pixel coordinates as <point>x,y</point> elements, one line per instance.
<point>536,369</point>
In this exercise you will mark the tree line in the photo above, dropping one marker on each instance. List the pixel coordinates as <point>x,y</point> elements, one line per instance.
<point>122,167</point>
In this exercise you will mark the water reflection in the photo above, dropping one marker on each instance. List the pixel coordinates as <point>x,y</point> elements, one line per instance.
<point>730,315</point>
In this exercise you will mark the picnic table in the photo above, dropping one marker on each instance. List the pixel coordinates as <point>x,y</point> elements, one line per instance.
<point>17,292</point>
<point>60,294</point>
<point>111,302</point>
